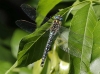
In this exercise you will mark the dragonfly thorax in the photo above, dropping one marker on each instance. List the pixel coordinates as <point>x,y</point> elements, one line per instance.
<point>56,24</point>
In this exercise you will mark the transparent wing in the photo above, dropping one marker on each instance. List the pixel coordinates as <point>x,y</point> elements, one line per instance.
<point>66,45</point>
<point>71,45</point>
<point>25,25</point>
<point>31,12</point>
<point>75,42</point>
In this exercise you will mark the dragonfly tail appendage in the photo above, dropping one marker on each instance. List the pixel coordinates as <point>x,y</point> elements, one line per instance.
<point>44,57</point>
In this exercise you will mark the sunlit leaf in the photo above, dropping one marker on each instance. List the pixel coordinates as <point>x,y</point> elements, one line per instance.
<point>97,11</point>
<point>96,38</point>
<point>81,30</point>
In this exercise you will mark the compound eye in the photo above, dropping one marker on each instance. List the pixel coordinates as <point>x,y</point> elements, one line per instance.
<point>60,19</point>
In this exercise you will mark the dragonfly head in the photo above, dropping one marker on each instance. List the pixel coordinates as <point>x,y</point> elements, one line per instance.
<point>58,17</point>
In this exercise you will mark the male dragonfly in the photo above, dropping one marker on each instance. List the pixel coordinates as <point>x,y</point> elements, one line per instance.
<point>56,25</point>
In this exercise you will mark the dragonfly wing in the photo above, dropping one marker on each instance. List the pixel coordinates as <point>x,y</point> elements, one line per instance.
<point>25,25</point>
<point>29,11</point>
<point>74,42</point>
<point>64,44</point>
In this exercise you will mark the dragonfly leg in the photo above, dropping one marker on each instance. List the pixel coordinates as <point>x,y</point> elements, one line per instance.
<point>61,41</point>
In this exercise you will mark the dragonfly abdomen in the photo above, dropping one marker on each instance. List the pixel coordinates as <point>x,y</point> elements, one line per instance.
<point>47,48</point>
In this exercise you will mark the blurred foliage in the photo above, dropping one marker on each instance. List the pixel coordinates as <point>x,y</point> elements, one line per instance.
<point>80,17</point>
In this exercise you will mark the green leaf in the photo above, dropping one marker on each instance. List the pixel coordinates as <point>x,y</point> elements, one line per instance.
<point>43,8</point>
<point>81,38</point>
<point>78,5</point>
<point>9,70</point>
<point>96,38</point>
<point>95,59</point>
<point>97,10</point>
<point>25,70</point>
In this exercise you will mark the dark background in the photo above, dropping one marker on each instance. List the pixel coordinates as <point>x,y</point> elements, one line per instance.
<point>10,11</point>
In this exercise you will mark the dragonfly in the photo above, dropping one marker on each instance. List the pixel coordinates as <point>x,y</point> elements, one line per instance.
<point>56,24</point>
<point>54,29</point>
